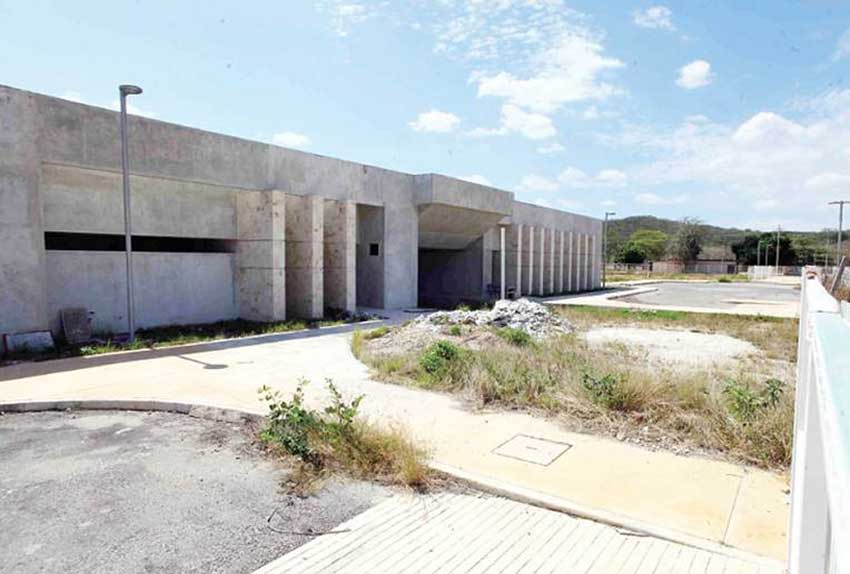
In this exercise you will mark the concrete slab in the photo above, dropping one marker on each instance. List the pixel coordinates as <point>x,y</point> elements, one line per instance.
<point>35,341</point>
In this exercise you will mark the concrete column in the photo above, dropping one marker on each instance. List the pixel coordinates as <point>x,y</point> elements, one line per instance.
<point>587,262</point>
<point>340,256</point>
<point>304,256</point>
<point>594,262</point>
<point>570,260</point>
<point>502,262</point>
<point>531,260</point>
<point>541,275</point>
<point>261,255</point>
<point>552,259</point>
<point>580,262</point>
<point>401,255</point>
<point>519,260</point>
<point>23,297</point>
<point>561,264</point>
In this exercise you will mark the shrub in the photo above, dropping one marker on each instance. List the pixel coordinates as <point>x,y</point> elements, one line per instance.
<point>724,279</point>
<point>455,331</point>
<point>335,436</point>
<point>438,356</point>
<point>513,336</point>
<point>745,403</point>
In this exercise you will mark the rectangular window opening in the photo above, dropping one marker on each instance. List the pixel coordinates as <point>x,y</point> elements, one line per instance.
<point>64,241</point>
<point>374,249</point>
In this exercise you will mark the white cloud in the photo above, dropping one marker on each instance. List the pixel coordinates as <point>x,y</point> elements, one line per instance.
<point>569,71</point>
<point>656,17</point>
<point>648,198</point>
<point>291,139</point>
<point>476,178</point>
<point>531,125</point>
<point>537,183</point>
<point>515,120</point>
<point>72,96</point>
<point>697,74</point>
<point>570,204</point>
<point>799,162</point>
<point>435,121</point>
<point>573,177</point>
<point>609,203</point>
<point>542,202</point>
<point>842,47</point>
<point>345,15</point>
<point>550,148</point>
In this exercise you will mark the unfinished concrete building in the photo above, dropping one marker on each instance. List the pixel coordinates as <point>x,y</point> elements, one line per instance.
<point>225,227</point>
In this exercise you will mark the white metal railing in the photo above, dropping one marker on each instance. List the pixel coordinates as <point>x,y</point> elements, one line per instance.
<point>819,530</point>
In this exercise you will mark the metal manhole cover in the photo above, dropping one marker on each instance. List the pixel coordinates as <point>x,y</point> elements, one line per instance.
<point>532,449</point>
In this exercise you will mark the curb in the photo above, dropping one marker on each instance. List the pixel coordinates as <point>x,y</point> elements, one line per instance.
<point>486,484</point>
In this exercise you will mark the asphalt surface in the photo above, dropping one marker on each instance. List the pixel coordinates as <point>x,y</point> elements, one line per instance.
<point>127,492</point>
<point>715,295</point>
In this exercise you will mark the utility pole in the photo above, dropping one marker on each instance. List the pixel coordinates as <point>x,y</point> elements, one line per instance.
<point>840,204</point>
<point>605,245</point>
<point>778,228</point>
<point>758,253</point>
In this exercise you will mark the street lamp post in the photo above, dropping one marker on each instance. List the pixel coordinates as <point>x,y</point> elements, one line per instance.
<point>840,205</point>
<point>124,91</point>
<point>605,245</point>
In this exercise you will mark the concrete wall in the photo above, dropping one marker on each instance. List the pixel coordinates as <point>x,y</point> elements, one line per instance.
<point>261,255</point>
<point>170,288</point>
<point>305,256</point>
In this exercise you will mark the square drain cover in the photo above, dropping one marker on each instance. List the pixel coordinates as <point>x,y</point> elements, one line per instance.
<point>532,449</point>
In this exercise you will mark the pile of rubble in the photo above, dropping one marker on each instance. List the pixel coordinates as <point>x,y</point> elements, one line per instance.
<point>533,318</point>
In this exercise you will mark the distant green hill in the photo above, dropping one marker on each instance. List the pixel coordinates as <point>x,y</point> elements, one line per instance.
<point>809,245</point>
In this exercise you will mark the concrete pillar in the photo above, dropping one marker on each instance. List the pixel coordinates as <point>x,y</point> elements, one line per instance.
<point>579,262</point>
<point>552,259</point>
<point>503,262</point>
<point>594,263</point>
<point>304,256</point>
<point>587,262</point>
<point>561,264</point>
<point>261,255</point>
<point>531,260</point>
<point>570,259</point>
<point>542,274</point>
<point>401,255</point>
<point>23,297</point>
<point>340,256</point>
<point>517,236</point>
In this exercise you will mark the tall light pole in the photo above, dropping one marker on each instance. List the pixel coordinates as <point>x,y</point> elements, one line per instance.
<point>605,244</point>
<point>778,228</point>
<point>127,90</point>
<point>840,205</point>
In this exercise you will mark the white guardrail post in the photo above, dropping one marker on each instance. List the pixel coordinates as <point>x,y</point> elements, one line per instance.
<point>819,529</point>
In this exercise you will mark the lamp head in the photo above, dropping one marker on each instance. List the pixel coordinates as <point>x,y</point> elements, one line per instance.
<point>129,90</point>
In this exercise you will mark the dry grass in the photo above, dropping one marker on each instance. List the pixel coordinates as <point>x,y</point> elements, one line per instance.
<point>614,277</point>
<point>611,390</point>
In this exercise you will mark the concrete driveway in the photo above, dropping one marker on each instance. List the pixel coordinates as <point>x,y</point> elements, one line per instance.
<point>103,492</point>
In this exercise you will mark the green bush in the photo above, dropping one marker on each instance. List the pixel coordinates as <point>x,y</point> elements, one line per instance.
<point>437,357</point>
<point>455,331</point>
<point>516,337</point>
<point>746,404</point>
<point>724,279</point>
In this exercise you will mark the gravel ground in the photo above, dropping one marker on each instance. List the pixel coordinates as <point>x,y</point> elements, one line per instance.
<point>676,347</point>
<point>100,492</point>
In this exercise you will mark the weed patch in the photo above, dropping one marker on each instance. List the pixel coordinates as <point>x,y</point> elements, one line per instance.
<point>516,337</point>
<point>335,437</point>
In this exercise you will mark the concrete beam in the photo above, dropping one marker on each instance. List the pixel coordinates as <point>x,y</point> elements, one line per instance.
<point>304,256</point>
<point>340,255</point>
<point>261,255</point>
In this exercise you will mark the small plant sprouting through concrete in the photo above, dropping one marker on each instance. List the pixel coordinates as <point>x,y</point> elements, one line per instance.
<point>336,438</point>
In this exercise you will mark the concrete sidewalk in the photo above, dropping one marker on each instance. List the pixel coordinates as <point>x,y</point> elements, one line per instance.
<point>695,500</point>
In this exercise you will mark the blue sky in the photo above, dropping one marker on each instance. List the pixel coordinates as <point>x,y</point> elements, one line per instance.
<point>734,112</point>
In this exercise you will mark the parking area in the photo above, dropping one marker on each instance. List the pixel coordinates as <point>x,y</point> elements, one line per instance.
<point>100,492</point>
<point>717,295</point>
<point>755,298</point>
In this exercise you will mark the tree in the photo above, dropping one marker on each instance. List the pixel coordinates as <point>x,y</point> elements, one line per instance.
<point>687,243</point>
<point>631,253</point>
<point>747,250</point>
<point>651,242</point>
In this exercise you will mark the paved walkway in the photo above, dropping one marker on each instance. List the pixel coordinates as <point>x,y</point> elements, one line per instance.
<point>673,496</point>
<point>466,534</point>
